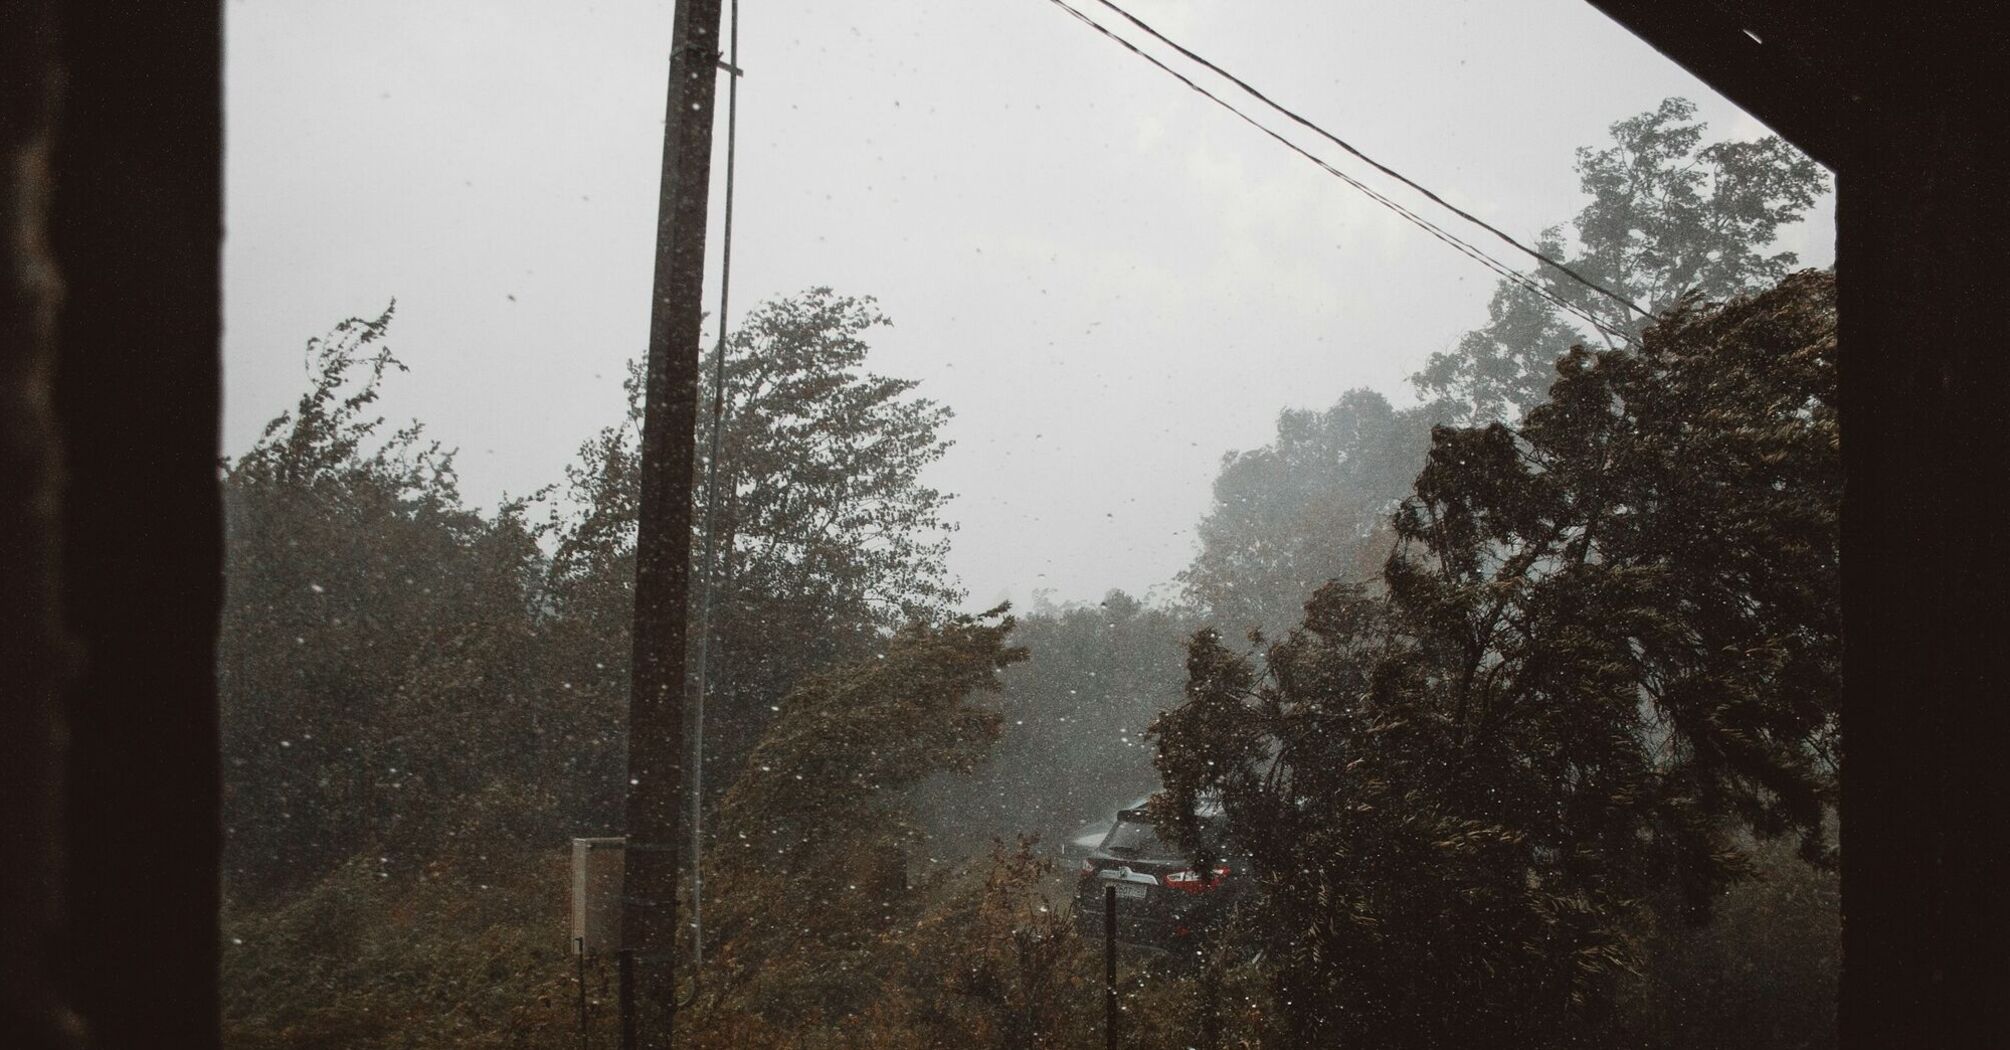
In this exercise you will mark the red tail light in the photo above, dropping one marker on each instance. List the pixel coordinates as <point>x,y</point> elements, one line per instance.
<point>1191,881</point>
<point>1088,868</point>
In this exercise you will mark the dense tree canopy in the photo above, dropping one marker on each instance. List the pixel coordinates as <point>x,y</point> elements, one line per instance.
<point>375,630</point>
<point>828,534</point>
<point>1309,507</point>
<point>395,664</point>
<point>1609,644</point>
<point>1667,215</point>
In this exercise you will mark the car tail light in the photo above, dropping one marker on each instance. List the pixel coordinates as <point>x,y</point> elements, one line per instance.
<point>1191,881</point>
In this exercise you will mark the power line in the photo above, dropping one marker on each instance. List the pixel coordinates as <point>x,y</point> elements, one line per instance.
<point>1378,165</point>
<point>710,562</point>
<point>1463,247</point>
<point>1502,269</point>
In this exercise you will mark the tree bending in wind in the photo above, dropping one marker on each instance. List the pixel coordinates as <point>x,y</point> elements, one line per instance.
<point>1606,653</point>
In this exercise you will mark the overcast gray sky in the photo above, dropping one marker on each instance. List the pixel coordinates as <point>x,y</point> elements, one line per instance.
<point>1110,280</point>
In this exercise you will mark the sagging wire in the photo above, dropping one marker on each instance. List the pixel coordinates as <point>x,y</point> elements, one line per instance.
<point>1501,269</point>
<point>702,670</point>
<point>1539,256</point>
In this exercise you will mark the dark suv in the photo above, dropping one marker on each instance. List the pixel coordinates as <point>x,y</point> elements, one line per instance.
<point>1162,902</point>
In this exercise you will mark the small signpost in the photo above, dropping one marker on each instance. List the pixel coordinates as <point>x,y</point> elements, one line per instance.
<point>1110,966</point>
<point>599,870</point>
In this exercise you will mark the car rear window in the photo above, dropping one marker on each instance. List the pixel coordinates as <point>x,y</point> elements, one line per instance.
<point>1137,838</point>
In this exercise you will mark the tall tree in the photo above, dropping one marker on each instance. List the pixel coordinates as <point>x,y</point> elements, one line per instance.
<point>810,863</point>
<point>1667,215</point>
<point>1309,507</point>
<point>1609,643</point>
<point>373,659</point>
<point>828,534</point>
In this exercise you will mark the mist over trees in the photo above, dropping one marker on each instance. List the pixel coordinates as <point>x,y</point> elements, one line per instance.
<point>1520,697</point>
<point>1071,745</point>
<point>1667,214</point>
<point>389,651</point>
<point>1311,506</point>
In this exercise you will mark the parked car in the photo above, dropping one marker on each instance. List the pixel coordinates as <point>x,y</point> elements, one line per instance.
<point>1085,839</point>
<point>1089,837</point>
<point>1162,902</point>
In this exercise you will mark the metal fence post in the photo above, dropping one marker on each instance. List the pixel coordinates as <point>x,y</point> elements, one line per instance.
<point>1110,966</point>
<point>626,961</point>
<point>579,970</point>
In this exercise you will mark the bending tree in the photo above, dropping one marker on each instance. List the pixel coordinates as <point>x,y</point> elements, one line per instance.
<point>1606,652</point>
<point>828,536</point>
<point>375,659</point>
<point>1668,216</point>
<point>810,867</point>
<point>1309,507</point>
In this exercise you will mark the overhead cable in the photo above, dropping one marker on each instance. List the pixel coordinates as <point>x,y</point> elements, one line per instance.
<point>709,581</point>
<point>1505,271</point>
<point>1379,166</point>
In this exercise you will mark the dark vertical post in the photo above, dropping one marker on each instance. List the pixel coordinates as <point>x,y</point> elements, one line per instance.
<point>1110,966</point>
<point>1213,960</point>
<point>579,970</point>
<point>663,535</point>
<point>1921,261</point>
<point>136,227</point>
<point>624,962</point>
<point>34,646</point>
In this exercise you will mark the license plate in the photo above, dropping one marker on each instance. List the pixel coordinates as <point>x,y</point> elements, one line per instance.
<point>1131,890</point>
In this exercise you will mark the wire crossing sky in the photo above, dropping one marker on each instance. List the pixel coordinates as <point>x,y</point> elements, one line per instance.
<point>1463,247</point>
<point>1379,166</point>
<point>1111,285</point>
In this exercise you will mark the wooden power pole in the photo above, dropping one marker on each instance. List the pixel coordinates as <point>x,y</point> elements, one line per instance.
<point>663,537</point>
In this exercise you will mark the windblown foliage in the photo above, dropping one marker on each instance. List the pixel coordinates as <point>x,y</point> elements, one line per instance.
<point>1311,506</point>
<point>1668,216</point>
<point>1609,642</point>
<point>827,534</point>
<point>1590,693</point>
<point>375,633</point>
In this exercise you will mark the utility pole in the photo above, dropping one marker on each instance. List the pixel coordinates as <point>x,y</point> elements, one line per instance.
<point>663,533</point>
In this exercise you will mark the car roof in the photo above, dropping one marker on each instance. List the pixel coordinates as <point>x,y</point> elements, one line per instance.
<point>1208,809</point>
